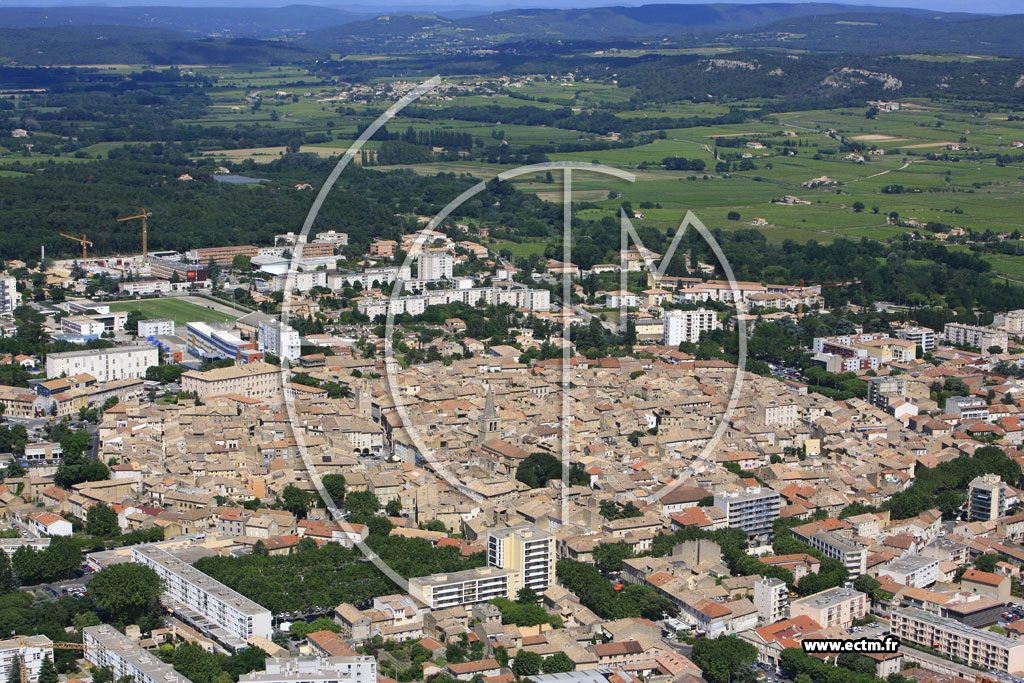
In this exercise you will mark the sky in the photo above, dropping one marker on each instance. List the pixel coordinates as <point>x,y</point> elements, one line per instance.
<point>988,6</point>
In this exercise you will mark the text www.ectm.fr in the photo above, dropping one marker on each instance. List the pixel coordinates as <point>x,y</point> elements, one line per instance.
<point>835,646</point>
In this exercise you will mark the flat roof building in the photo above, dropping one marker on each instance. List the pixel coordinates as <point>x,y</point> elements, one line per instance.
<point>358,669</point>
<point>203,341</point>
<point>526,549</point>
<point>224,614</point>
<point>833,607</point>
<point>918,571</point>
<point>754,510</point>
<point>106,647</point>
<point>27,650</point>
<point>439,591</point>
<point>119,362</point>
<point>974,646</point>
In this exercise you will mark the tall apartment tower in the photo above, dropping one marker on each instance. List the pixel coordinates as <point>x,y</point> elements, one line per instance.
<point>771,598</point>
<point>528,551</point>
<point>987,498</point>
<point>754,510</point>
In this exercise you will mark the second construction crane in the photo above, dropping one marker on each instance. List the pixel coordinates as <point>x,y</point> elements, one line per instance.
<point>84,242</point>
<point>144,215</point>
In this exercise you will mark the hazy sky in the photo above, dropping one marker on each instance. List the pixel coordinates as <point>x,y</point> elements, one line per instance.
<point>993,6</point>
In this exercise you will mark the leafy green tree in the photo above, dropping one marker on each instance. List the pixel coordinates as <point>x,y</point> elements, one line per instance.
<point>537,469</point>
<point>987,562</point>
<point>719,658</point>
<point>296,501</point>
<point>334,485</point>
<point>526,663</point>
<point>101,521</point>
<point>393,508</point>
<point>557,663</point>
<point>856,662</point>
<point>126,591</point>
<point>362,502</point>
<point>609,556</point>
<point>866,584</point>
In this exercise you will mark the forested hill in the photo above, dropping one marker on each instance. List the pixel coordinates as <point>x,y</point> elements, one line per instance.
<point>887,31</point>
<point>425,31</point>
<point>199,21</point>
<point>115,45</point>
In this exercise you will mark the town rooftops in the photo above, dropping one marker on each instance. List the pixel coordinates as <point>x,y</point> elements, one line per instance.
<point>987,578</point>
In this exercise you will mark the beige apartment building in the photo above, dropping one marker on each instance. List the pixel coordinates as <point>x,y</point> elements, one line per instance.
<point>832,607</point>
<point>254,380</point>
<point>975,646</point>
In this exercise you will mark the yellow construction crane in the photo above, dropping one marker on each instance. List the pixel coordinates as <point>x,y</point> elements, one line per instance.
<point>144,215</point>
<point>23,642</point>
<point>81,239</point>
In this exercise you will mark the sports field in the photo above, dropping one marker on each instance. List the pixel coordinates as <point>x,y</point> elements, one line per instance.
<point>180,312</point>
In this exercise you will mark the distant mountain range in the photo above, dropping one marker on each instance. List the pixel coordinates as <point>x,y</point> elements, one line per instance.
<point>205,21</point>
<point>825,27</point>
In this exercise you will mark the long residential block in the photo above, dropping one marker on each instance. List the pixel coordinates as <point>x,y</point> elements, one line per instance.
<point>226,615</point>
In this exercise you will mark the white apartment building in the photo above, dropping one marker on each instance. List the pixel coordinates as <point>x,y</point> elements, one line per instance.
<point>774,411</point>
<point>333,237</point>
<point>527,550</point>
<point>149,285</point>
<point>971,335</point>
<point>10,298</point>
<point>302,281</point>
<point>854,557</point>
<point>314,669</point>
<point>771,598</point>
<point>435,264</point>
<point>687,326</point>
<point>120,362</point>
<point>222,613</point>
<point>754,510</point>
<point>369,278</point>
<point>156,327</point>
<point>106,647</point>
<point>279,339</point>
<point>912,570</point>
<point>1012,322</point>
<point>81,326</point>
<point>440,591</point>
<point>518,297</point>
<point>923,337</point>
<point>30,650</point>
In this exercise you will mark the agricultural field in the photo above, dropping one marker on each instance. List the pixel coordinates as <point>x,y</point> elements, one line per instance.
<point>932,161</point>
<point>180,312</point>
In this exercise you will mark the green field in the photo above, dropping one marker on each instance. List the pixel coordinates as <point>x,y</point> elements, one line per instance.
<point>180,312</point>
